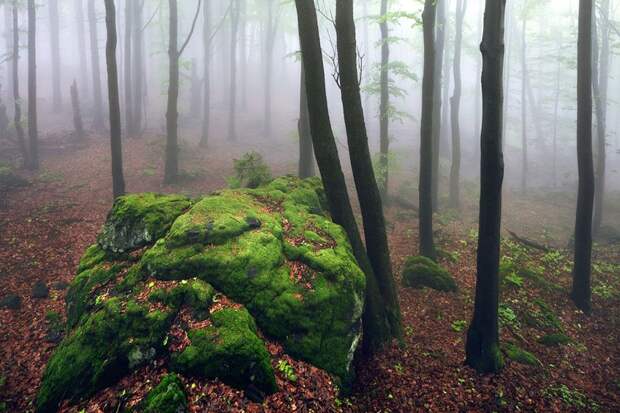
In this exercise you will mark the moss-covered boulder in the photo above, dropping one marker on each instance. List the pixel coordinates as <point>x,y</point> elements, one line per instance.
<point>420,272</point>
<point>139,219</point>
<point>199,286</point>
<point>167,397</point>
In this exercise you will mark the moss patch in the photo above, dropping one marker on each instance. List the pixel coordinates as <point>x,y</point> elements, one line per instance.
<point>517,354</point>
<point>167,397</point>
<point>420,272</point>
<point>554,339</point>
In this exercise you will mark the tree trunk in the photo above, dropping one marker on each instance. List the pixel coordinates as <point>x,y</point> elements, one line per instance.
<point>77,113</point>
<point>482,348</point>
<point>172,116</point>
<point>427,245</point>
<point>118,182</point>
<point>368,192</point>
<point>98,122</point>
<point>17,120</point>
<point>509,47</point>
<point>232,110</point>
<point>206,93</point>
<point>556,108</point>
<point>384,105</point>
<point>243,53</point>
<point>437,82</point>
<point>138,68</point>
<point>270,33</point>
<point>523,108</point>
<point>376,323</point>
<point>81,36</point>
<point>128,78</point>
<point>55,49</point>
<point>581,288</point>
<point>478,99</point>
<point>455,169</point>
<point>601,83</point>
<point>33,133</point>
<point>8,22</point>
<point>196,91</point>
<point>306,156</point>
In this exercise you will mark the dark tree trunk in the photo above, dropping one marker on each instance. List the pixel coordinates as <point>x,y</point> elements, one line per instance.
<point>128,78</point>
<point>118,182</point>
<point>138,67</point>
<point>81,36</point>
<point>172,116</point>
<point>523,107</point>
<point>455,169</point>
<point>77,112</point>
<point>306,156</point>
<point>232,110</point>
<point>98,122</point>
<point>600,83</point>
<point>55,49</point>
<point>384,104</point>
<point>376,322</point>
<point>440,39</point>
<point>581,288</point>
<point>482,349</point>
<point>270,34</point>
<point>427,245</point>
<point>21,140</point>
<point>368,192</point>
<point>33,133</point>
<point>206,92</point>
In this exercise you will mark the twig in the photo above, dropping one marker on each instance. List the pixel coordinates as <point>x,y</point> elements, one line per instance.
<point>529,243</point>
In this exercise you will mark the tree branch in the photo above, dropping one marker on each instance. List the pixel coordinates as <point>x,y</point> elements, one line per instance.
<point>191,32</point>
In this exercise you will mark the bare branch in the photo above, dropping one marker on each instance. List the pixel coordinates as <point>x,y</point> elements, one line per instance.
<point>191,32</point>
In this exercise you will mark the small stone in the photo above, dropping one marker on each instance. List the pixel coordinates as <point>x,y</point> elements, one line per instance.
<point>40,290</point>
<point>11,301</point>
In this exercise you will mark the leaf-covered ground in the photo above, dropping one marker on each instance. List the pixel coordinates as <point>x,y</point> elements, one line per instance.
<point>45,227</point>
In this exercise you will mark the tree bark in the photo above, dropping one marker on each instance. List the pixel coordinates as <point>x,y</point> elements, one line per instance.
<point>172,116</point>
<point>129,122</point>
<point>306,156</point>
<point>384,104</point>
<point>98,122</point>
<point>118,181</point>
<point>581,288</point>
<point>232,110</point>
<point>427,245</point>
<point>455,169</point>
<point>482,348</point>
<point>440,38</point>
<point>376,323</point>
<point>55,51</point>
<point>33,133</point>
<point>17,119</point>
<point>368,192</point>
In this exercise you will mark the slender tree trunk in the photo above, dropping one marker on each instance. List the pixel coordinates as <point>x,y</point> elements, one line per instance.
<point>206,93</point>
<point>443,144</point>
<point>556,108</point>
<point>507,72</point>
<point>270,32</point>
<point>138,67</point>
<point>33,134</point>
<point>196,91</point>
<point>118,182</point>
<point>427,244</point>
<point>172,116</point>
<point>482,348</point>
<point>77,113</point>
<point>306,156</point>
<point>81,43</point>
<point>455,169</point>
<point>523,108</point>
<point>601,82</point>
<point>243,53</point>
<point>376,323</point>
<point>440,38</point>
<point>368,192</point>
<point>384,105</point>
<point>581,288</point>
<point>232,110</point>
<point>55,49</point>
<point>98,122</point>
<point>8,22</point>
<point>129,122</point>
<point>21,140</point>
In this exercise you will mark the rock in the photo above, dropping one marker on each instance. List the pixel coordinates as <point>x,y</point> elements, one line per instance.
<point>11,302</point>
<point>167,397</point>
<point>234,267</point>
<point>40,290</point>
<point>420,272</point>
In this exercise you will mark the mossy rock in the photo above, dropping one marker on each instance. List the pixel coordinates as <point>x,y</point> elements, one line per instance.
<point>9,179</point>
<point>140,219</point>
<point>167,397</point>
<point>517,354</point>
<point>420,272</point>
<point>554,339</point>
<point>193,293</point>
<point>229,349</point>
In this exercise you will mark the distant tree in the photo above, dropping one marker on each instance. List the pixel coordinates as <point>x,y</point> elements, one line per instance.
<point>17,119</point>
<point>243,54</point>
<point>232,110</point>
<point>94,61</point>
<point>427,245</point>
<point>138,67</point>
<point>55,50</point>
<point>118,181</point>
<point>206,80</point>
<point>524,157</point>
<point>482,348</point>
<point>306,155</point>
<point>81,44</point>
<point>384,104</point>
<point>77,112</point>
<point>439,46</point>
<point>33,134</point>
<point>582,270</point>
<point>129,122</point>
<point>270,29</point>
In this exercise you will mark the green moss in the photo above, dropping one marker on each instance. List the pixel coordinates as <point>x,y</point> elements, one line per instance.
<point>102,349</point>
<point>92,256</point>
<point>554,339</point>
<point>229,350</point>
<point>167,397</point>
<point>420,272</point>
<point>140,219</point>
<point>543,317</point>
<point>517,354</point>
<point>9,179</point>
<point>193,293</point>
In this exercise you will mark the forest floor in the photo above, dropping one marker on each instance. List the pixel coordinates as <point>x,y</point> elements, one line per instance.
<point>46,226</point>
